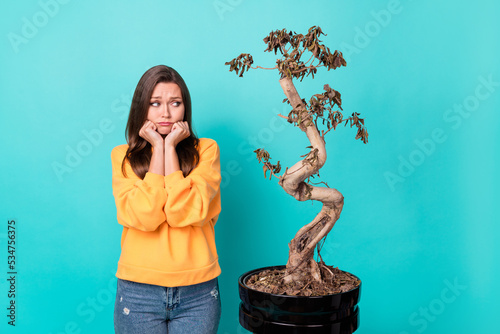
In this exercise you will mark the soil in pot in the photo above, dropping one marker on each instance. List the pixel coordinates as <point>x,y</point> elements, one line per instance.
<point>334,281</point>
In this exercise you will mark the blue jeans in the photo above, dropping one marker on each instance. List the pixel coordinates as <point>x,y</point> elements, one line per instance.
<point>152,309</point>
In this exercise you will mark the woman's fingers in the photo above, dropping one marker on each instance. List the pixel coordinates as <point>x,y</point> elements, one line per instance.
<point>181,126</point>
<point>149,133</point>
<point>185,129</point>
<point>179,132</point>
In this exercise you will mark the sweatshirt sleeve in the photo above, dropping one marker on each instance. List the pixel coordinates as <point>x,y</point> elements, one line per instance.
<point>139,203</point>
<point>194,200</point>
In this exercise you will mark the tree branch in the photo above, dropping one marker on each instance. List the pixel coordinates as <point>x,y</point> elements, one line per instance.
<point>264,68</point>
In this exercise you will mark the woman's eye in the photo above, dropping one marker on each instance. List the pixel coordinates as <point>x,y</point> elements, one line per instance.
<point>155,104</point>
<point>177,103</point>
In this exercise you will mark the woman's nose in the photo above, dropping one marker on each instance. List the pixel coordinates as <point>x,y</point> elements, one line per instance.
<point>165,112</point>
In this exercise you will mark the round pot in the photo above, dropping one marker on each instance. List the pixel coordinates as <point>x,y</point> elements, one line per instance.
<point>265,313</point>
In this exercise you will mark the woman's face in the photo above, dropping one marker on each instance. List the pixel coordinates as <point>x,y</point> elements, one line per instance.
<point>166,106</point>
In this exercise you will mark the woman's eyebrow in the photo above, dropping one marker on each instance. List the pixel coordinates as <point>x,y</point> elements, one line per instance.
<point>172,97</point>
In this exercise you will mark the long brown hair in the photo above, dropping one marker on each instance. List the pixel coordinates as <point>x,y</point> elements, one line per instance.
<point>139,150</point>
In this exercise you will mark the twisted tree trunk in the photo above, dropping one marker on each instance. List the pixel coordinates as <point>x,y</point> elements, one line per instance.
<point>301,265</point>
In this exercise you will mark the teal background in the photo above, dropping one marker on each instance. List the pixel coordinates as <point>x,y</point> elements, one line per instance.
<point>408,240</point>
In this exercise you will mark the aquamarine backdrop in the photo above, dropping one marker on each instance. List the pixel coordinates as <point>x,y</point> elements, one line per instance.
<point>420,223</point>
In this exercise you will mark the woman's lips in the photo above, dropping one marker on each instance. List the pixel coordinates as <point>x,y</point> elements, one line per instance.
<point>164,123</point>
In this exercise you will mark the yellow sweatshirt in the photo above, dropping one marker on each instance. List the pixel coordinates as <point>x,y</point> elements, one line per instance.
<point>168,221</point>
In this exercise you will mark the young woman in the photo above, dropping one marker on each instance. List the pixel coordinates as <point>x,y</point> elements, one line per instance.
<point>166,188</point>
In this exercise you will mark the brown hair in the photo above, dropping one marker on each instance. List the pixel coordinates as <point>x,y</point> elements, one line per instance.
<point>139,151</point>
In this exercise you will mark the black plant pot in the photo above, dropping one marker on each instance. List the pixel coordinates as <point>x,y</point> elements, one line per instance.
<point>266,313</point>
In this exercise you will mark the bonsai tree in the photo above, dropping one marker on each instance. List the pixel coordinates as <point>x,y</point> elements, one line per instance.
<point>316,117</point>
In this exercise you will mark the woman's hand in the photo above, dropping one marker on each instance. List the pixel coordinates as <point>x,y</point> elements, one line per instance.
<point>148,132</point>
<point>179,132</point>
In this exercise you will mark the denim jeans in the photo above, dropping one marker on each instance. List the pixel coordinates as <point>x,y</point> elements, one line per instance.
<point>152,309</point>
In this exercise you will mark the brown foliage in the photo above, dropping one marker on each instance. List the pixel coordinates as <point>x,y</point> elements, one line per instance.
<point>325,107</point>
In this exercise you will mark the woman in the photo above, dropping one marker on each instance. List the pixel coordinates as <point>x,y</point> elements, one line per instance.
<point>166,188</point>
